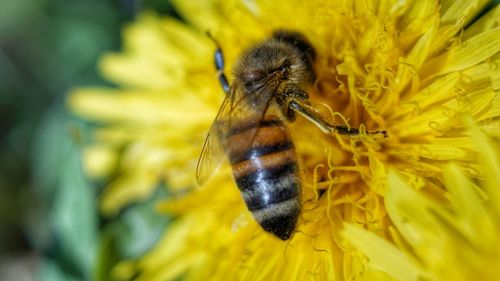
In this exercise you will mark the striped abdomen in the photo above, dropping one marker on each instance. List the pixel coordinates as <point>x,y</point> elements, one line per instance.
<point>266,173</point>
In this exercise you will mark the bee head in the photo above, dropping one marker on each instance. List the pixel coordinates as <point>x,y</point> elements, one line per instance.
<point>272,63</point>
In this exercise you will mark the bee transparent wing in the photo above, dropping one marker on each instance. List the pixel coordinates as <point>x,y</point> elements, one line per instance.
<point>237,110</point>
<point>212,153</point>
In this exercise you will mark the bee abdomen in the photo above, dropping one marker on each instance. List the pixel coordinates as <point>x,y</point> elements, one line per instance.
<point>265,187</point>
<point>266,173</point>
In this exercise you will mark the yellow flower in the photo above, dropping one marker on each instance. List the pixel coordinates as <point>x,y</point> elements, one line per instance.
<point>412,68</point>
<point>458,240</point>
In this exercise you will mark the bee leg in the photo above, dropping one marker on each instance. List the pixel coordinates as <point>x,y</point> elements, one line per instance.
<point>288,112</point>
<point>295,93</point>
<point>219,65</point>
<point>313,116</point>
<point>291,94</point>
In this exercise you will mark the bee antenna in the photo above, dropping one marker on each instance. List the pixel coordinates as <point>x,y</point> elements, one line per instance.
<point>209,35</point>
<point>219,64</point>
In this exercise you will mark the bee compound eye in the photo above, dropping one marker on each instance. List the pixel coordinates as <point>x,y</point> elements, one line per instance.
<point>283,69</point>
<point>285,66</point>
<point>252,76</point>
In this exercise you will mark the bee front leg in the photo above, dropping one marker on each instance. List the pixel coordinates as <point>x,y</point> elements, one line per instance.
<point>287,111</point>
<point>289,95</point>
<point>308,112</point>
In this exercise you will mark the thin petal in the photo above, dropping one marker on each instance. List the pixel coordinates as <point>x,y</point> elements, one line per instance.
<point>133,106</point>
<point>489,161</point>
<point>132,187</point>
<point>467,54</point>
<point>488,21</point>
<point>383,255</point>
<point>455,15</point>
<point>471,214</point>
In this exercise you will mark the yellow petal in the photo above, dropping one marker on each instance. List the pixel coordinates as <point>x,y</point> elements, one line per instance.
<point>470,52</point>
<point>440,90</point>
<point>131,106</point>
<point>99,160</point>
<point>488,159</point>
<point>455,15</point>
<point>475,221</point>
<point>443,152</point>
<point>131,187</point>
<point>153,60</point>
<point>415,22</point>
<point>463,10</point>
<point>383,255</point>
<point>486,22</point>
<point>409,212</point>
<point>409,65</point>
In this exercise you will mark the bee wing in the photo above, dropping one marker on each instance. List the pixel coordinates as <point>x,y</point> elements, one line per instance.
<point>237,109</point>
<point>212,154</point>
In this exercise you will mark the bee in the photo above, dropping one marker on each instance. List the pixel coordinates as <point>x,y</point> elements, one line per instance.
<point>269,88</point>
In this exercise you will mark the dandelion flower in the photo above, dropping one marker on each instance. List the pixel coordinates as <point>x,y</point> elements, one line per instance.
<point>409,67</point>
<point>454,241</point>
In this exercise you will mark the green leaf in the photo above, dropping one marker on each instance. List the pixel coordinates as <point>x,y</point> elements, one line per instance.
<point>72,217</point>
<point>130,235</point>
<point>52,271</point>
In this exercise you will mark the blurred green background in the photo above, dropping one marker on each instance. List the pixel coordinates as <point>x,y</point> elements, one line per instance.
<point>49,223</point>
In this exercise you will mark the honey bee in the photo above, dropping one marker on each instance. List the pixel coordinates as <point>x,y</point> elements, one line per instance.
<point>269,88</point>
